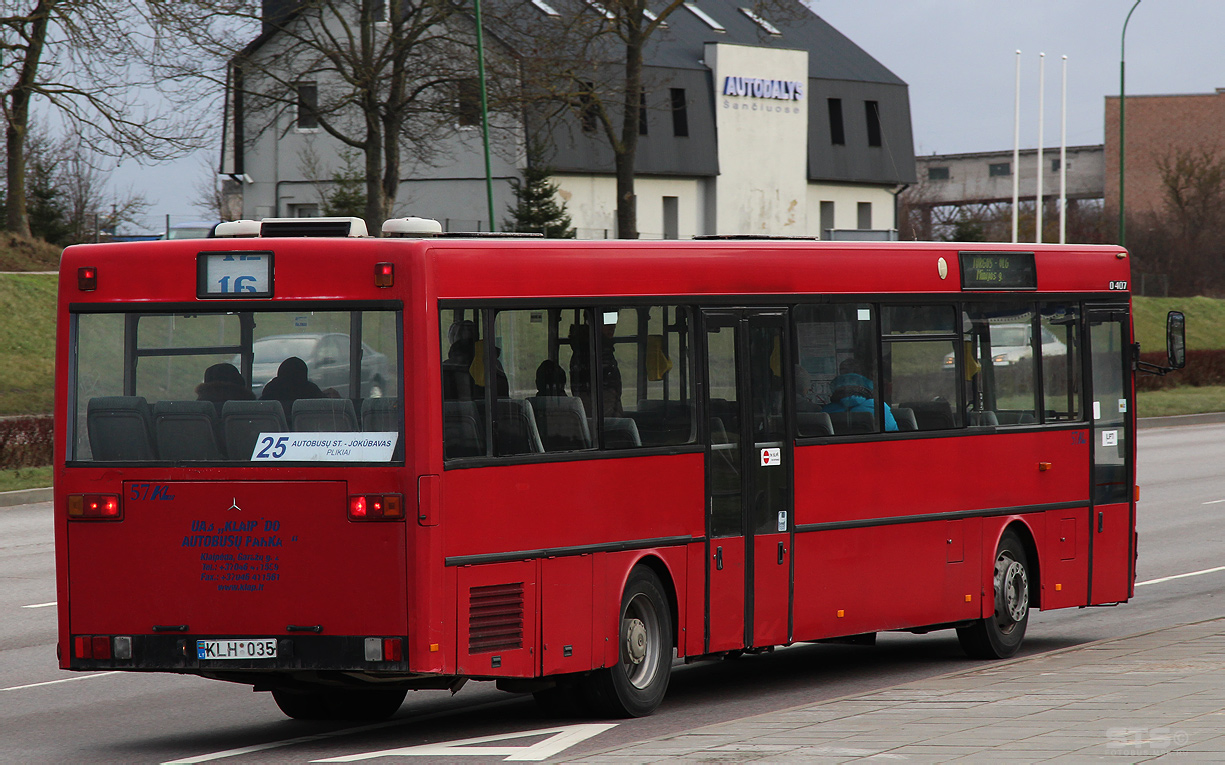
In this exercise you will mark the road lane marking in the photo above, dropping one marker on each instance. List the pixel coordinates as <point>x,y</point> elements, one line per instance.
<point>1214,502</point>
<point>331,734</point>
<point>559,740</point>
<point>53,682</point>
<point>1181,576</point>
<point>40,605</point>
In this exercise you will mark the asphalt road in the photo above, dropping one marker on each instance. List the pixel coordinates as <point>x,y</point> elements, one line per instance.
<point>50,715</point>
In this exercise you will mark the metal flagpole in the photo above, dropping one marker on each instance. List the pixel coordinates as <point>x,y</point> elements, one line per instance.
<point>1041,81</point>
<point>1016,150</point>
<point>1063,157</point>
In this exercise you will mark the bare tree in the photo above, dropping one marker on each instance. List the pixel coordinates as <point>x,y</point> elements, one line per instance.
<point>95,65</point>
<point>382,77</point>
<point>217,197</point>
<point>589,61</point>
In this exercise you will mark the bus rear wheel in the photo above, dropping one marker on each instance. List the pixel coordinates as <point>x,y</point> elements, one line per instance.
<point>999,635</point>
<point>336,704</point>
<point>635,685</point>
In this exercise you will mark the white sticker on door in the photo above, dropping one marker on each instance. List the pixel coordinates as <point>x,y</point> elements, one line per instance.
<point>1110,438</point>
<point>771,456</point>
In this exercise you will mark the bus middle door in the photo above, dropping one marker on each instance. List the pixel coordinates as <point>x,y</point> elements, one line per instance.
<point>749,476</point>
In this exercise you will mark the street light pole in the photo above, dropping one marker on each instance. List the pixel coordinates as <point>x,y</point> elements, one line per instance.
<point>1123,126</point>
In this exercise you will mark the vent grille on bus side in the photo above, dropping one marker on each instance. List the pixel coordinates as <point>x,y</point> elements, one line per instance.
<point>495,617</point>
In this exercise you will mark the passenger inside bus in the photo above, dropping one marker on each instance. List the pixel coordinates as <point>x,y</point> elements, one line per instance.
<point>222,383</point>
<point>290,384</point>
<point>550,379</point>
<point>851,393</point>
<point>610,371</point>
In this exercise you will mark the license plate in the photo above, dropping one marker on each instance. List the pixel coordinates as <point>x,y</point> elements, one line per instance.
<point>262,648</point>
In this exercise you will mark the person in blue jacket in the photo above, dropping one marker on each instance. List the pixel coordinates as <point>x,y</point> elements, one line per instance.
<point>851,391</point>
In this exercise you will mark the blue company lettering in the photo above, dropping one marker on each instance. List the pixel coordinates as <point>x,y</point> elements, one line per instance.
<point>753,87</point>
<point>150,491</point>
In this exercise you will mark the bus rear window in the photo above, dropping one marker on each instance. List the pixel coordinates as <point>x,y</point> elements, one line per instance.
<point>237,386</point>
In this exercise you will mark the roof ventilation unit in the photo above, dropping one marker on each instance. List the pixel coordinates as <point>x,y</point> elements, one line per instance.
<point>350,227</point>
<point>411,228</point>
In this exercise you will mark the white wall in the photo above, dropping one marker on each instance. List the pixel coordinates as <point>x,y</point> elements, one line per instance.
<point>846,199</point>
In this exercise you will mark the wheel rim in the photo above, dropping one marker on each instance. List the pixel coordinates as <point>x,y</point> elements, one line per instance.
<point>1011,592</point>
<point>640,641</point>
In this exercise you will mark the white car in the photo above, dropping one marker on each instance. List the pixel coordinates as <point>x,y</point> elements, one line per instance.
<point>1010,343</point>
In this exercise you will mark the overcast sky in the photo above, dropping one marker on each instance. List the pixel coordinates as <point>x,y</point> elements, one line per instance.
<point>959,58</point>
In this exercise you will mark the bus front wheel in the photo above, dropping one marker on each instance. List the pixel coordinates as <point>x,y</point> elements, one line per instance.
<point>999,635</point>
<point>635,685</point>
<point>378,704</point>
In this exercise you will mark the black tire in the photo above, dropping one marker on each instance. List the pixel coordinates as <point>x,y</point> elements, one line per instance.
<point>636,684</point>
<point>364,705</point>
<point>999,636</point>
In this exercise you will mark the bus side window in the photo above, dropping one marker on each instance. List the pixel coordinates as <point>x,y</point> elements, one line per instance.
<point>919,351</point>
<point>653,384</point>
<point>835,372</point>
<point>998,369</point>
<point>1061,362</point>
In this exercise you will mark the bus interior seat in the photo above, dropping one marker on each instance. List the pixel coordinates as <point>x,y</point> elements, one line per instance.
<point>187,430</point>
<point>931,415</point>
<point>324,415</point>
<point>665,423</point>
<point>814,424</point>
<point>984,417</point>
<point>463,429</point>
<point>561,422</point>
<point>121,428</point>
<point>243,421</point>
<point>381,415</point>
<point>718,432</point>
<point>515,426</point>
<point>621,433</point>
<point>905,419</point>
<point>846,423</point>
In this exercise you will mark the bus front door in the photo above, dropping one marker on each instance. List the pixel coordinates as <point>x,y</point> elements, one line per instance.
<point>748,479</point>
<point>1112,521</point>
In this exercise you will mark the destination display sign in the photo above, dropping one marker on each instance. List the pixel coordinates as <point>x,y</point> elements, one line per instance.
<point>234,275</point>
<point>998,271</point>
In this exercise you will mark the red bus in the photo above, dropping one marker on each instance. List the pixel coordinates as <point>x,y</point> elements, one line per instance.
<point>338,467</point>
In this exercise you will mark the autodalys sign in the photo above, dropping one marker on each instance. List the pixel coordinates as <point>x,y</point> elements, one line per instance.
<point>755,87</point>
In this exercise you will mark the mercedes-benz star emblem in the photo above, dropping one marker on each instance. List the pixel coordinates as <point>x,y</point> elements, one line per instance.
<point>234,505</point>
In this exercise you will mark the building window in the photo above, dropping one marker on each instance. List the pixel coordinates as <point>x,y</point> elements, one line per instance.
<point>937,173</point>
<point>546,8</point>
<point>680,113</point>
<point>761,22</point>
<point>705,17</point>
<point>468,103</point>
<point>1055,165</point>
<point>672,218</point>
<point>997,169</point>
<point>827,219</point>
<point>836,136</point>
<point>873,113</point>
<point>642,113</point>
<point>307,107</point>
<point>865,215</point>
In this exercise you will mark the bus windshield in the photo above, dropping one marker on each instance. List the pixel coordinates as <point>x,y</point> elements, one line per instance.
<point>220,385</point>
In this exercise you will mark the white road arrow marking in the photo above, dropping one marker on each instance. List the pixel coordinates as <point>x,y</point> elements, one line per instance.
<point>561,739</point>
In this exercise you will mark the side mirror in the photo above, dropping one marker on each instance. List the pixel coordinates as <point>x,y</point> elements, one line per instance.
<point>1176,340</point>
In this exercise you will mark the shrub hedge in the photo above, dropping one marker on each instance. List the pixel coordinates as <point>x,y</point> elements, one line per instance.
<point>1203,368</point>
<point>25,441</point>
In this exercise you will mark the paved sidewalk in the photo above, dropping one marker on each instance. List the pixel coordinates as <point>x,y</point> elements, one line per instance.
<point>1122,700</point>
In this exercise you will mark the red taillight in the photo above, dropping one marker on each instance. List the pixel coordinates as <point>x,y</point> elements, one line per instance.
<point>87,278</point>
<point>82,647</point>
<point>94,507</point>
<point>392,649</point>
<point>384,274</point>
<point>376,507</point>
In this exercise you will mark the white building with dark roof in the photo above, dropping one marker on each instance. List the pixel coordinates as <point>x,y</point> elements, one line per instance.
<point>753,126</point>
